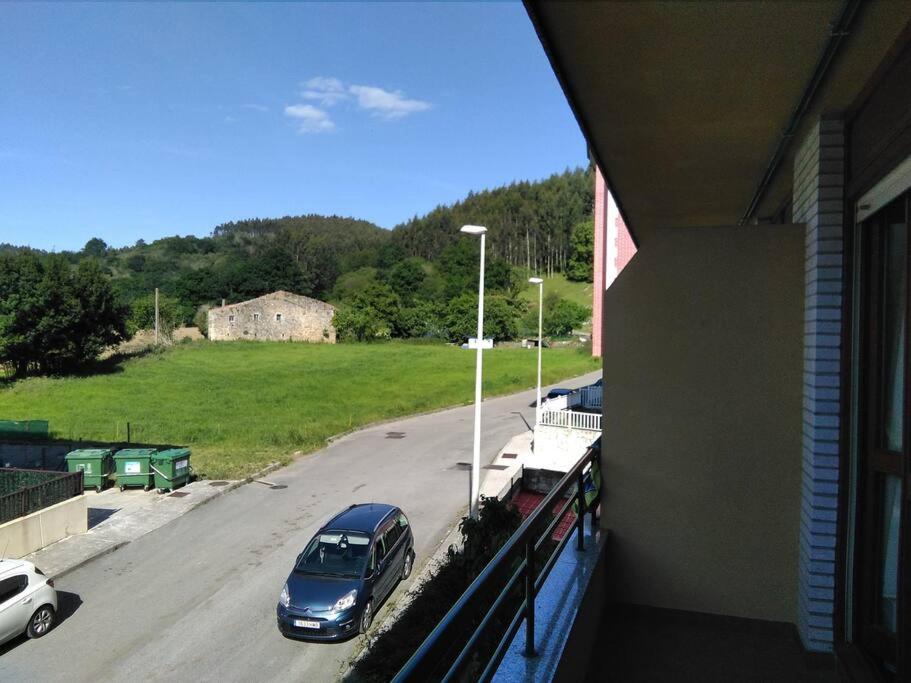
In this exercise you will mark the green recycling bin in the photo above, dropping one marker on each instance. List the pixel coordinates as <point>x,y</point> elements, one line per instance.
<point>133,467</point>
<point>171,468</point>
<point>96,465</point>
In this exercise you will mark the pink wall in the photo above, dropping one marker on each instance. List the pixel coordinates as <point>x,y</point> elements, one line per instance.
<point>613,250</point>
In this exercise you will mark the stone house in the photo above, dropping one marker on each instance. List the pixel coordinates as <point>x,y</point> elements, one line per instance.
<point>280,316</point>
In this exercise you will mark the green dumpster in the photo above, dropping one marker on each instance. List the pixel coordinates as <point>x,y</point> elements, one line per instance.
<point>96,465</point>
<point>171,468</point>
<point>133,467</point>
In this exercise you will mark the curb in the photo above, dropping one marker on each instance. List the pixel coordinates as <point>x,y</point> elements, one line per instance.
<point>218,494</point>
<point>86,560</point>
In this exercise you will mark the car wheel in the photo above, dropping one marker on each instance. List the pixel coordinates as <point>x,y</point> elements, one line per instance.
<point>41,622</point>
<point>408,566</point>
<point>366,617</point>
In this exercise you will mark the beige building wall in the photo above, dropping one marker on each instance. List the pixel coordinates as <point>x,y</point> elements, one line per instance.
<point>25,535</point>
<point>702,424</point>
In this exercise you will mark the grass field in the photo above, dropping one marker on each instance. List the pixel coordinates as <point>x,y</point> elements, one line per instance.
<point>242,405</point>
<point>580,292</point>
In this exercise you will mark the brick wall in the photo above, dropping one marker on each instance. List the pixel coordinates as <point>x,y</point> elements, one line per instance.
<point>818,202</point>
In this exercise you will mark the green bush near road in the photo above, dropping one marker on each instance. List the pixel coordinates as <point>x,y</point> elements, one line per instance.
<point>242,405</point>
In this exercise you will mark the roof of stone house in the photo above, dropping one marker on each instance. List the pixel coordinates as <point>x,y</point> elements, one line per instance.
<point>281,294</point>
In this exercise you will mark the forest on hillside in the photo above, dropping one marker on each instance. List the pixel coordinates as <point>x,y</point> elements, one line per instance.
<point>412,281</point>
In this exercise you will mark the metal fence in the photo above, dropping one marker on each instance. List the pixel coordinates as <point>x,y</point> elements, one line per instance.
<point>23,492</point>
<point>471,640</point>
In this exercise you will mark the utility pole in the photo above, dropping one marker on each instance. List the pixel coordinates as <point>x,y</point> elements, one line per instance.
<point>156,316</point>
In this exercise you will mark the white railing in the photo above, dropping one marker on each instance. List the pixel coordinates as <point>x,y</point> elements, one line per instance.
<point>571,418</point>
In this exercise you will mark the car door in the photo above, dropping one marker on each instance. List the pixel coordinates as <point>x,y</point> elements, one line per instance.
<point>395,553</point>
<point>387,566</point>
<point>381,574</point>
<point>15,606</point>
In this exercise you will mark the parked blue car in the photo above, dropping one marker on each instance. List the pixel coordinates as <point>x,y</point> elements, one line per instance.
<point>346,572</point>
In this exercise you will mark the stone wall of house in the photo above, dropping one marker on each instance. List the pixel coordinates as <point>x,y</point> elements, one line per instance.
<point>273,318</point>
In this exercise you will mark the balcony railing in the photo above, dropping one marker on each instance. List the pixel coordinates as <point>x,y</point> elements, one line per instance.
<point>571,418</point>
<point>471,640</point>
<point>23,492</point>
<point>589,397</point>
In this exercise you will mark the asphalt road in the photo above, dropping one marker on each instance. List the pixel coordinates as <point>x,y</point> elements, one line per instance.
<point>196,598</point>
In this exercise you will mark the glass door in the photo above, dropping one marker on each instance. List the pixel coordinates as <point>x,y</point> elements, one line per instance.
<point>883,487</point>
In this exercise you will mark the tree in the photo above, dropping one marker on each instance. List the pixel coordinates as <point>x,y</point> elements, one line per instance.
<point>406,278</point>
<point>368,315</point>
<point>102,319</point>
<point>562,316</point>
<point>201,319</point>
<point>171,315</point>
<point>53,318</point>
<point>96,247</point>
<point>501,318</point>
<point>424,320</point>
<point>136,263</point>
<point>582,255</point>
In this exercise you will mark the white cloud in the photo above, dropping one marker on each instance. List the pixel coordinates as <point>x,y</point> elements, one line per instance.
<point>310,119</point>
<point>386,104</point>
<point>327,91</point>
<point>382,103</point>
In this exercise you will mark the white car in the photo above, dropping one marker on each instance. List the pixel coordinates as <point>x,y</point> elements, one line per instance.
<point>28,601</point>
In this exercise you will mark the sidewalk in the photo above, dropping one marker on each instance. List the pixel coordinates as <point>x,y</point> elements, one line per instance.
<point>499,476</point>
<point>119,517</point>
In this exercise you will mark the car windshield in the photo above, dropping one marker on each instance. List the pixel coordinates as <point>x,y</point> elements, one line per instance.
<point>335,553</point>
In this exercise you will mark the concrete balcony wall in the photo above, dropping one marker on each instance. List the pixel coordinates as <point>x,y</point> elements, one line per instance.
<point>559,448</point>
<point>27,534</point>
<point>701,446</point>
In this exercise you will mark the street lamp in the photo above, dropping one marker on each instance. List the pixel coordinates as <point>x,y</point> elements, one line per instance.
<point>538,281</point>
<point>474,484</point>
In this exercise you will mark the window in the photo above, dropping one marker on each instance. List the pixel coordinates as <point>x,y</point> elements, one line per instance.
<point>341,553</point>
<point>255,317</point>
<point>230,318</point>
<point>883,474</point>
<point>12,586</point>
<point>278,317</point>
<point>393,533</point>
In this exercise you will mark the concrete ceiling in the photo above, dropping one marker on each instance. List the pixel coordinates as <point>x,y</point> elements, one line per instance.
<point>684,103</point>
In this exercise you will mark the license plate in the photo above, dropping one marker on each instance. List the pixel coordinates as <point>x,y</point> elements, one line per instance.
<point>306,623</point>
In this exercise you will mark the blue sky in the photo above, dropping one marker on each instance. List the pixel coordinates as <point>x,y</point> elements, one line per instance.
<point>144,120</point>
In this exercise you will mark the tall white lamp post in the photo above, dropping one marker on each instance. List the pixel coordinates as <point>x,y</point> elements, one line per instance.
<point>474,484</point>
<point>538,281</point>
